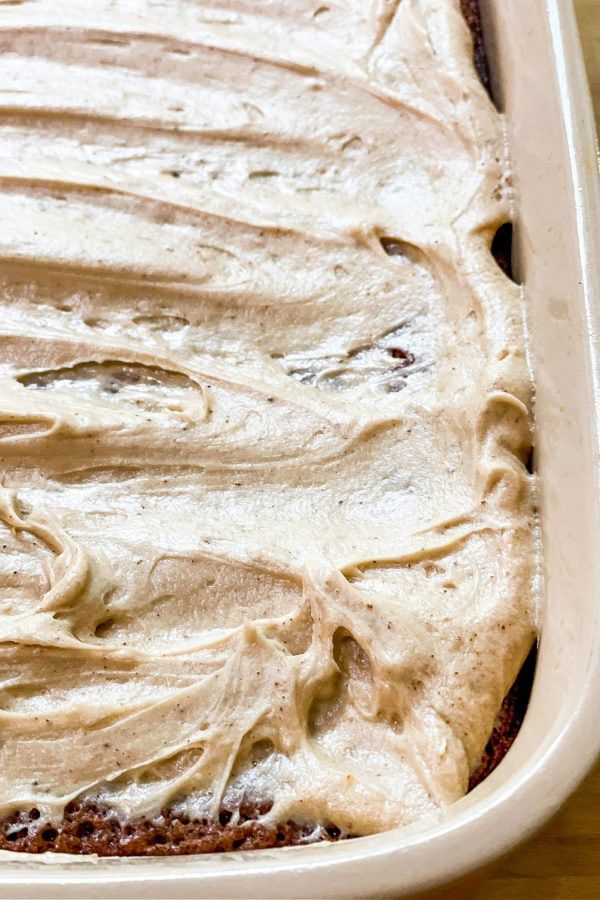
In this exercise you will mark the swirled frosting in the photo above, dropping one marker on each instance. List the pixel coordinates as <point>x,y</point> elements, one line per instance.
<point>264,409</point>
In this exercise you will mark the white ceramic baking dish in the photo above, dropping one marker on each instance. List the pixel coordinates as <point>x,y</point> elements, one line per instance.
<point>537,68</point>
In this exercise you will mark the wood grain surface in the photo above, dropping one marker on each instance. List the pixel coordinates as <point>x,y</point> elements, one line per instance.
<point>588,15</point>
<point>563,861</point>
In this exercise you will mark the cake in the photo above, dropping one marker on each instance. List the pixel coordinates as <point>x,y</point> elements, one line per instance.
<point>268,561</point>
<point>471,12</point>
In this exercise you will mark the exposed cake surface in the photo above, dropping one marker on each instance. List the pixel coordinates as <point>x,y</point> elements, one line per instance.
<point>264,413</point>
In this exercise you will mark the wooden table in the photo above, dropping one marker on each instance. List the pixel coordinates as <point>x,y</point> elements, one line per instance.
<point>563,861</point>
<point>588,14</point>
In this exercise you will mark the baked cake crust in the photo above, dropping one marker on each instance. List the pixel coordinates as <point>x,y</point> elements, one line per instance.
<point>88,827</point>
<point>472,14</point>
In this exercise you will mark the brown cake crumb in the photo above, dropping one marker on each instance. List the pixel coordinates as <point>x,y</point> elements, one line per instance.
<point>89,827</point>
<point>508,723</point>
<point>471,12</point>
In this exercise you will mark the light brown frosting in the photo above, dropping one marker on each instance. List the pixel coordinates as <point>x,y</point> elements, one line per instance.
<point>263,409</point>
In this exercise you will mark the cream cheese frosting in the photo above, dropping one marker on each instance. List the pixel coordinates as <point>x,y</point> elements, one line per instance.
<point>264,409</point>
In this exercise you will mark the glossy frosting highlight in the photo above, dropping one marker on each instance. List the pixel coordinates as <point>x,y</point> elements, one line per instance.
<point>264,409</point>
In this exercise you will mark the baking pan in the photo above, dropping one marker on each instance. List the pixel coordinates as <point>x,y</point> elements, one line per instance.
<point>539,81</point>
